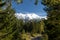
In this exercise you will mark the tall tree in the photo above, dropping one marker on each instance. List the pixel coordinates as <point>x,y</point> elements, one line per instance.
<point>53,14</point>
<point>8,28</point>
<point>41,28</point>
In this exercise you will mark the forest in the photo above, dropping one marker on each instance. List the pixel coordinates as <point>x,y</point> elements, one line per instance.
<point>12,28</point>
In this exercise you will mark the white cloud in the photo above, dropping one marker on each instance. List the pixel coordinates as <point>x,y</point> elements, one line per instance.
<point>29,16</point>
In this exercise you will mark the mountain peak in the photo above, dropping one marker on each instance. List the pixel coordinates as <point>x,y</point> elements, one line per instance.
<point>29,16</point>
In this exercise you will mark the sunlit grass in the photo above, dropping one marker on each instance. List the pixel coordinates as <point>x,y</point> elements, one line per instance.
<point>28,36</point>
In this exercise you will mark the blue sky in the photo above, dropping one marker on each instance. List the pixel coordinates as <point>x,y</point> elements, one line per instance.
<point>28,6</point>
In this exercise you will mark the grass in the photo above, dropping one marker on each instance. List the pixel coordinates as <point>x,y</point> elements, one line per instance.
<point>28,36</point>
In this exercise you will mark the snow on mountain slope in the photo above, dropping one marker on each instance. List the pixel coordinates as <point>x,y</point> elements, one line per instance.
<point>29,16</point>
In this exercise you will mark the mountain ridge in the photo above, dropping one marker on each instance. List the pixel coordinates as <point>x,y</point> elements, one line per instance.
<point>29,16</point>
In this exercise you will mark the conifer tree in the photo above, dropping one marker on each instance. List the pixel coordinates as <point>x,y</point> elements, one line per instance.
<point>41,27</point>
<point>53,14</point>
<point>8,28</point>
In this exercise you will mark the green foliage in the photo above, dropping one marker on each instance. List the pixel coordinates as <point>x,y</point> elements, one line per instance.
<point>8,27</point>
<point>11,27</point>
<point>32,29</point>
<point>36,2</point>
<point>53,22</point>
<point>50,2</point>
<point>19,1</point>
<point>31,26</point>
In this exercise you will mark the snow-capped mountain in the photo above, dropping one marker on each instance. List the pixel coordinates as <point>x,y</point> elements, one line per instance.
<point>28,16</point>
